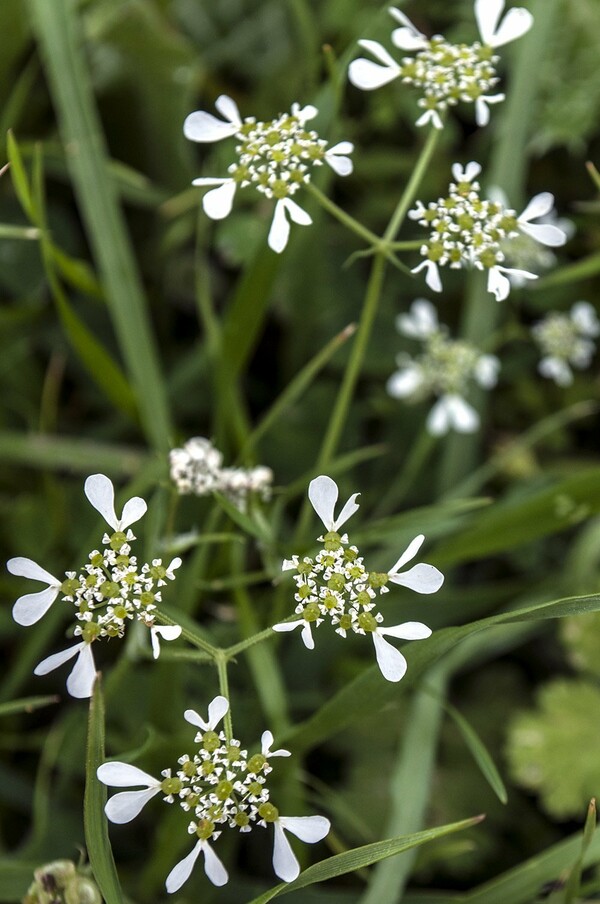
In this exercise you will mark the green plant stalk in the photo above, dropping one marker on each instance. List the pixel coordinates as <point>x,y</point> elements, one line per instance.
<point>344,218</point>
<point>189,635</point>
<point>369,311</point>
<point>221,663</point>
<point>57,33</point>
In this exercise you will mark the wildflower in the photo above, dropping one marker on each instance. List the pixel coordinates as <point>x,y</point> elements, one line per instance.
<point>198,469</point>
<point>445,73</point>
<point>222,787</point>
<point>105,594</point>
<point>566,341</point>
<point>444,370</point>
<point>466,231</point>
<point>336,587</point>
<point>275,157</point>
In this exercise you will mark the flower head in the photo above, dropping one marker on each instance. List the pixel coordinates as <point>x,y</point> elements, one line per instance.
<point>274,157</point>
<point>445,371</point>
<point>198,468</point>
<point>445,73</point>
<point>335,586</point>
<point>220,786</point>
<point>566,341</point>
<point>105,594</point>
<point>467,231</point>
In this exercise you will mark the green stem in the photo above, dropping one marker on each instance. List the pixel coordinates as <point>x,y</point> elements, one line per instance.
<point>412,186</point>
<point>341,215</point>
<point>189,635</point>
<point>232,652</point>
<point>418,455</point>
<point>221,663</point>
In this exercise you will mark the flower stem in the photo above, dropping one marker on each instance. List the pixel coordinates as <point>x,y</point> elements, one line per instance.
<point>341,215</point>
<point>221,663</point>
<point>189,635</point>
<point>412,186</point>
<point>231,652</point>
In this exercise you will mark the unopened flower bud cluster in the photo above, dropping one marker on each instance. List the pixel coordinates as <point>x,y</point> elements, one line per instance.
<point>60,882</point>
<point>197,469</point>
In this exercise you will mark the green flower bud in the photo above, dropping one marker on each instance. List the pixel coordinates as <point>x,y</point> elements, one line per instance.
<point>332,540</point>
<point>256,762</point>
<point>224,789</point>
<point>170,786</point>
<point>117,540</point>
<point>210,741</point>
<point>205,828</point>
<point>268,812</point>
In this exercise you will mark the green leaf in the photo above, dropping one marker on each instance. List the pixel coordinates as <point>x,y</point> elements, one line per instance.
<point>19,178</point>
<point>255,528</point>
<point>69,453</point>
<point>573,885</point>
<point>479,751</point>
<point>15,878</point>
<point>94,820</point>
<point>26,705</point>
<point>360,857</point>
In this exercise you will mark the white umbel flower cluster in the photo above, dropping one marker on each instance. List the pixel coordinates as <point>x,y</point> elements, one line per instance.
<point>445,370</point>
<point>467,231</point>
<point>107,593</point>
<point>445,73</point>
<point>274,157</point>
<point>222,787</point>
<point>336,587</point>
<point>197,469</point>
<point>567,341</point>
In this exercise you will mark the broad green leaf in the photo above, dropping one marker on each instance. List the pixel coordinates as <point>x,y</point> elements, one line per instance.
<point>360,857</point>
<point>26,705</point>
<point>94,820</point>
<point>480,753</point>
<point>369,691</point>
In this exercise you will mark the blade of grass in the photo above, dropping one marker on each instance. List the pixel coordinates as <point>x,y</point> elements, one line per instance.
<point>65,453</point>
<point>57,32</point>
<point>26,705</point>
<point>573,886</point>
<point>94,820</point>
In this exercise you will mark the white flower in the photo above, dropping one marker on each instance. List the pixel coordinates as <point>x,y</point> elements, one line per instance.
<point>391,662</point>
<point>566,341</point>
<point>266,742</point>
<point>167,632</point>
<point>420,322</point>
<point>307,828</point>
<point>125,806</point>
<point>323,493</point>
<point>214,869</point>
<point>275,157</point>
<point>80,682</point>
<point>307,637</point>
<point>217,709</point>
<point>422,578</point>
<point>29,608</point>
<point>446,73</point>
<point>452,412</point>
<point>101,493</point>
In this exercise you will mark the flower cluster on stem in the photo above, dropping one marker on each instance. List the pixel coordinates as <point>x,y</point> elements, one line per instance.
<point>566,341</point>
<point>106,594</point>
<point>336,587</point>
<point>220,786</point>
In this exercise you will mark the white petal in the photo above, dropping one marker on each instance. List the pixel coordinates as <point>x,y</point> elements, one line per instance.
<point>323,493</point>
<point>283,627</point>
<point>391,662</point>
<point>470,172</point>
<point>407,37</point>
<point>266,741</point>
<point>421,321</point>
<point>432,276</point>
<point>304,113</point>
<point>134,509</point>
<point>368,76</point>
<point>126,805</point>
<point>342,147</point>
<point>57,659</point>
<point>80,682</point>
<point>29,608</point>
<point>463,416</point>
<point>296,213</point>
<point>206,181</point>
<point>545,234</point>
<point>288,565</point>
<point>431,116</point>
<point>583,315</point>
<point>422,578</point>
<point>404,383</point>
<point>482,114</point>
<point>27,568</point>
<point>556,369</point>
<point>497,283</point>
<point>487,15</point>
<point>408,554</point>
<point>214,869</point>
<point>167,632</point>
<point>124,775</point>
<point>191,716</point>
<point>217,203</point>
<point>101,494</point>
<point>205,127</point>
<point>216,711</point>
<point>486,371</point>
<point>539,206</point>
<point>228,109</point>
<point>279,232</point>
<point>285,863</point>
<point>339,164</point>
<point>307,638</point>
<point>309,829</point>
<point>182,871</point>
<point>412,630</point>
<point>348,510</point>
<point>515,24</point>
<point>438,421</point>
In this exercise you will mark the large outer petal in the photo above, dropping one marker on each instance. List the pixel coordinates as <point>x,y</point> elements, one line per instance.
<point>101,494</point>
<point>309,829</point>
<point>487,15</point>
<point>205,127</point>
<point>323,494</point>
<point>408,554</point>
<point>217,203</point>
<point>422,578</point>
<point>182,871</point>
<point>124,775</point>
<point>391,662</point>
<point>515,24</point>
<point>27,568</point>
<point>228,109</point>
<point>126,805</point>
<point>279,232</point>
<point>80,682</point>
<point>214,869</point>
<point>217,708</point>
<point>285,864</point>
<point>133,510</point>
<point>412,630</point>
<point>367,75</point>
<point>57,659</point>
<point>403,383</point>
<point>29,608</point>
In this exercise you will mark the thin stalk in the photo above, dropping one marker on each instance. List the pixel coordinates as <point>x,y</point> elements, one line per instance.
<point>343,217</point>
<point>221,663</point>
<point>189,635</point>
<point>232,652</point>
<point>412,186</point>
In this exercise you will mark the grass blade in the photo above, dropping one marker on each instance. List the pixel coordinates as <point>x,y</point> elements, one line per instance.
<point>26,705</point>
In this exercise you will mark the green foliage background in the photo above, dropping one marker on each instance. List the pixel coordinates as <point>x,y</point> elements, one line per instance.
<point>131,322</point>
